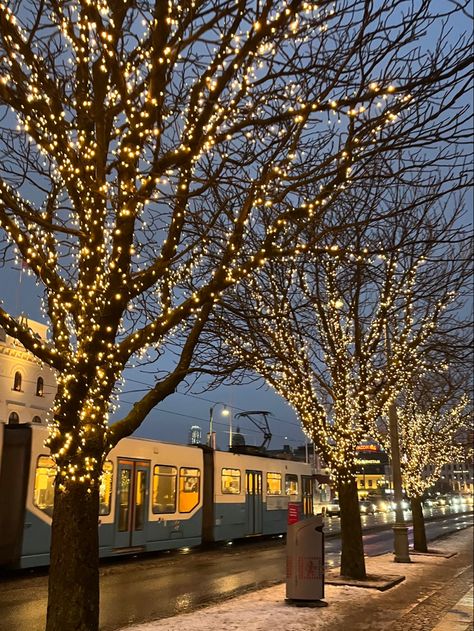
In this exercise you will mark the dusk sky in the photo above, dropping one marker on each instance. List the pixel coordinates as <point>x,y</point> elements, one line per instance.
<point>171,420</point>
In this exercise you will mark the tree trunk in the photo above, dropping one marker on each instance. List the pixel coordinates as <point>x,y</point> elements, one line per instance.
<point>73,591</point>
<point>352,547</point>
<point>419,532</point>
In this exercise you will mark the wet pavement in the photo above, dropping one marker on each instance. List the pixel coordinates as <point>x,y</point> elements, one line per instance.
<point>164,584</point>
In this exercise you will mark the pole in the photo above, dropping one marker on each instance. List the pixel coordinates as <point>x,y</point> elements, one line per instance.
<point>209,438</point>
<point>230,427</point>
<point>400,530</point>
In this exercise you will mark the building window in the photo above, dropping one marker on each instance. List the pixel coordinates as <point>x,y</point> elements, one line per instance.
<point>188,489</point>
<point>13,419</point>
<point>36,419</point>
<point>17,381</point>
<point>164,489</point>
<point>291,484</point>
<point>39,387</point>
<point>44,484</point>
<point>273,483</point>
<point>369,482</point>
<point>105,488</point>
<point>230,481</point>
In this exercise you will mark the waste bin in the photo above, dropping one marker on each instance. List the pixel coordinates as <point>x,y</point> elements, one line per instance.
<point>305,562</point>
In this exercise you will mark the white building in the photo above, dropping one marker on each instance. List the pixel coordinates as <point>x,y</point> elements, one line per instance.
<point>27,387</point>
<point>195,435</point>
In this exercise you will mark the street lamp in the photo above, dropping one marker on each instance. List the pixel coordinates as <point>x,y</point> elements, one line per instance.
<point>211,439</point>
<point>400,530</point>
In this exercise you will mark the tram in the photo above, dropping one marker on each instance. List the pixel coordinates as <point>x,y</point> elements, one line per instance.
<point>153,496</point>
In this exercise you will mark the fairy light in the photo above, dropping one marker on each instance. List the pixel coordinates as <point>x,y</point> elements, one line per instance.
<point>126,134</point>
<point>337,393</point>
<point>429,439</point>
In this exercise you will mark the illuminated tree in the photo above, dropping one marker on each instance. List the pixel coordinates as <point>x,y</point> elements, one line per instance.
<point>147,146</point>
<point>430,433</point>
<point>315,329</point>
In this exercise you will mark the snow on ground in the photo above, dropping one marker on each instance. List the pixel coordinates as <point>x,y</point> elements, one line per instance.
<point>266,610</point>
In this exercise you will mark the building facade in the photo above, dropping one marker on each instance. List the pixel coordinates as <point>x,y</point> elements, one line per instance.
<point>371,469</point>
<point>195,435</point>
<point>27,386</point>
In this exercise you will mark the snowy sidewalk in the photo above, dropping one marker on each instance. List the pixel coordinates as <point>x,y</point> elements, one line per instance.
<point>459,618</point>
<point>432,587</point>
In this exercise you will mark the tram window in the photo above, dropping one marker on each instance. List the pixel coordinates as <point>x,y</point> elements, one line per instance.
<point>45,475</point>
<point>291,484</point>
<point>125,484</point>
<point>273,483</point>
<point>164,489</point>
<point>188,489</point>
<point>230,481</point>
<point>140,496</point>
<point>105,488</point>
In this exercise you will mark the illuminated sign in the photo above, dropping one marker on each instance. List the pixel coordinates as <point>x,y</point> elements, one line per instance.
<point>367,448</point>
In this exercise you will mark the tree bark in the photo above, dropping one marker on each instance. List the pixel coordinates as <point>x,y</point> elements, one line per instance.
<point>419,532</point>
<point>73,590</point>
<point>352,547</point>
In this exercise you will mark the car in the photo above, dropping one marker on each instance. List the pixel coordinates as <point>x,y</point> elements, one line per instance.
<point>429,502</point>
<point>367,508</point>
<point>383,506</point>
<point>333,508</point>
<point>455,501</point>
<point>381,503</point>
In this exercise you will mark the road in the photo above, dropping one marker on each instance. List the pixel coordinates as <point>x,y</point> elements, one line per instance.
<point>161,585</point>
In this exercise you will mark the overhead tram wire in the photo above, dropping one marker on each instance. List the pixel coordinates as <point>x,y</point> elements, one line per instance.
<point>201,398</point>
<point>216,422</point>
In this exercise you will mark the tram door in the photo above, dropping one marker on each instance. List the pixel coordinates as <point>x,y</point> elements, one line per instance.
<point>131,514</point>
<point>307,490</point>
<point>254,502</point>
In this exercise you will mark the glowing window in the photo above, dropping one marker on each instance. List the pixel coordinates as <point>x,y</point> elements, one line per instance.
<point>105,488</point>
<point>45,476</point>
<point>273,483</point>
<point>164,489</point>
<point>230,479</point>
<point>291,484</point>
<point>39,387</point>
<point>17,381</point>
<point>188,489</point>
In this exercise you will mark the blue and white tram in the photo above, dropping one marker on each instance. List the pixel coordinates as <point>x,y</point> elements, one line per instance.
<point>153,496</point>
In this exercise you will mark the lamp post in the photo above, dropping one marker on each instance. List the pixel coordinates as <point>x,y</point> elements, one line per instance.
<point>400,530</point>
<point>211,439</point>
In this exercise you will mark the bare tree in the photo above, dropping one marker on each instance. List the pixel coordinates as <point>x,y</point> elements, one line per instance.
<point>315,329</point>
<point>145,144</point>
